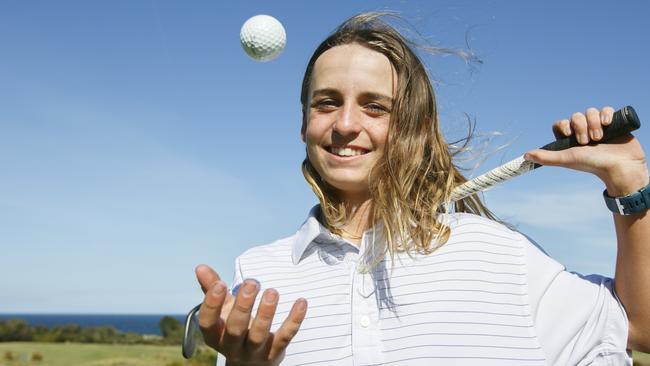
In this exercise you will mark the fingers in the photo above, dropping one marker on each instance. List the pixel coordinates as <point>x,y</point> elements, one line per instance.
<point>594,124</point>
<point>210,320</point>
<point>562,128</point>
<point>259,331</point>
<point>289,328</point>
<point>240,314</point>
<point>206,276</point>
<point>580,128</point>
<point>586,127</point>
<point>606,115</point>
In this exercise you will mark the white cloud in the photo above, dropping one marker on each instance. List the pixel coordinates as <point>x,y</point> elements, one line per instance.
<point>565,215</point>
<point>573,209</point>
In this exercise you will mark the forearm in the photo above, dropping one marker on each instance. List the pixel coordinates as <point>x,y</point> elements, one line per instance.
<point>632,281</point>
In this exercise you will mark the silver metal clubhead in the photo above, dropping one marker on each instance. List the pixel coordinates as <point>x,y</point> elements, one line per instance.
<point>189,333</point>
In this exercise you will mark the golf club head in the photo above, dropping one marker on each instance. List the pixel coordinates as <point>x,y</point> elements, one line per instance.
<point>189,333</point>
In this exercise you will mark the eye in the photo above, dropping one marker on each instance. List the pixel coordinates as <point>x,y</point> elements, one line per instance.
<point>376,108</point>
<point>324,104</point>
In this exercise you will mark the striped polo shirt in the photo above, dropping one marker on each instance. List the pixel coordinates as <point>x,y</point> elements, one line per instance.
<point>489,296</point>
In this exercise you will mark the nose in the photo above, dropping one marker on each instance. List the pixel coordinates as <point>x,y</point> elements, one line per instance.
<point>348,121</point>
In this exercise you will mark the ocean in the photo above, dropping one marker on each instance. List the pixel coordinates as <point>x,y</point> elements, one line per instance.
<point>142,324</point>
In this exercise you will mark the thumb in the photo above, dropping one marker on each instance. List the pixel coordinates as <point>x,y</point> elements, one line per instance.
<point>550,158</point>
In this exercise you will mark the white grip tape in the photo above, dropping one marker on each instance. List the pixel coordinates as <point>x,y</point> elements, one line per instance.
<point>495,176</point>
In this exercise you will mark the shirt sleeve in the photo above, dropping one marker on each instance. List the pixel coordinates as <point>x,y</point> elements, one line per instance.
<point>579,319</point>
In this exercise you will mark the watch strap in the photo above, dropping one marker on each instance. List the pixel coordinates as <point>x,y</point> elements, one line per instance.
<point>632,203</point>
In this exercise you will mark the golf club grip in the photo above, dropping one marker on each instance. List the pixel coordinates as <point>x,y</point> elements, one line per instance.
<point>624,121</point>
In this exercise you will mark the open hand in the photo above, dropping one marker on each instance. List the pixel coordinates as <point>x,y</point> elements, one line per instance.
<point>227,326</point>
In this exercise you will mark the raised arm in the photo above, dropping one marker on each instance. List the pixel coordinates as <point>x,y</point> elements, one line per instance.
<point>621,166</point>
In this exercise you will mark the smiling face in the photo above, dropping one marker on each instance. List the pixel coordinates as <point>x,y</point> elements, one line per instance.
<point>345,125</point>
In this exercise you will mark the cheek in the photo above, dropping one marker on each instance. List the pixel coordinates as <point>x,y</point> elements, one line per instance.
<point>379,135</point>
<point>310,136</point>
<point>312,141</point>
<point>314,132</point>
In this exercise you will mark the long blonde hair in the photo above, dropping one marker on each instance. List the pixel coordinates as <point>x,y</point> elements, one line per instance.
<point>411,184</point>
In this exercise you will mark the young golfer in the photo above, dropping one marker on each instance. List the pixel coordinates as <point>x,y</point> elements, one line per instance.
<point>382,273</point>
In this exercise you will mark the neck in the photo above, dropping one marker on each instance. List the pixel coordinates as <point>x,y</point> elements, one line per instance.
<point>359,220</point>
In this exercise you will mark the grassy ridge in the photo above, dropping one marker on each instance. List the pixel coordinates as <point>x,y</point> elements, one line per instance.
<point>641,359</point>
<point>77,354</point>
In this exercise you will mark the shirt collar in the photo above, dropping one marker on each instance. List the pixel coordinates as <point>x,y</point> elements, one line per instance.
<point>313,231</point>
<point>309,230</point>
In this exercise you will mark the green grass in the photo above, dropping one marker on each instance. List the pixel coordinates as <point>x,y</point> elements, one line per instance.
<point>641,359</point>
<point>74,354</point>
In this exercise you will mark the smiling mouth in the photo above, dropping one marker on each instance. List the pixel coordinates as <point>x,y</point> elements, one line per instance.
<point>347,151</point>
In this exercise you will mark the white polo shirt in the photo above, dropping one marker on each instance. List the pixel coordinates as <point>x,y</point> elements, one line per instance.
<point>487,297</point>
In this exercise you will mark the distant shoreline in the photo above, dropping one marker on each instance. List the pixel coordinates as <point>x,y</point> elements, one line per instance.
<point>144,324</point>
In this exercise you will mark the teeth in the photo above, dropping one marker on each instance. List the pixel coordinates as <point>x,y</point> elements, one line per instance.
<point>346,151</point>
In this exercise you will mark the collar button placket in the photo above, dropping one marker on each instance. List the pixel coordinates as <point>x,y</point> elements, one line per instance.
<point>366,334</point>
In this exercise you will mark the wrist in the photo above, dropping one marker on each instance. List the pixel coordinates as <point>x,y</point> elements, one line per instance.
<point>629,204</point>
<point>626,181</point>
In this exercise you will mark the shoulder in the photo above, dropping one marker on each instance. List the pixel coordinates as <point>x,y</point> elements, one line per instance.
<point>472,228</point>
<point>276,249</point>
<point>466,224</point>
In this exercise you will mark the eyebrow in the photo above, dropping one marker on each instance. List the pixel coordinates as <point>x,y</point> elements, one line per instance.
<point>368,95</point>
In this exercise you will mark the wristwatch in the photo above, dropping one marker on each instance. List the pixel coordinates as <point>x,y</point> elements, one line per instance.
<point>632,203</point>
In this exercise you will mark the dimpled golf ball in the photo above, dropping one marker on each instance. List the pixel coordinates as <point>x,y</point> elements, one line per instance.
<point>263,37</point>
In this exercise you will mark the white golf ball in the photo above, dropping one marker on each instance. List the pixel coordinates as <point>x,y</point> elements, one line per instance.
<point>263,37</point>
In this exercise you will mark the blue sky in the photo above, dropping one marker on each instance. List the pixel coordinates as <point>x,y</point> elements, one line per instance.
<point>137,140</point>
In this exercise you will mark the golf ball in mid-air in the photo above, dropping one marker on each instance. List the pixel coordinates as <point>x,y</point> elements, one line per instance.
<point>263,37</point>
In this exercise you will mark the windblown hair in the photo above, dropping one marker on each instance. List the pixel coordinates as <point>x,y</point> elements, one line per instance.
<point>410,186</point>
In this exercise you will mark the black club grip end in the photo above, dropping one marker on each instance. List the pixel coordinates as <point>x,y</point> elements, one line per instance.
<point>624,121</point>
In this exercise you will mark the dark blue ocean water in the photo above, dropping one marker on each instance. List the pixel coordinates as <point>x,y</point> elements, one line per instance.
<point>143,324</point>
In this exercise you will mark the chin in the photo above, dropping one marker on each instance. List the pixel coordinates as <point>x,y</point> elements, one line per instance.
<point>349,186</point>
